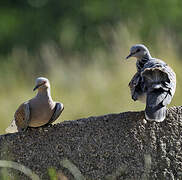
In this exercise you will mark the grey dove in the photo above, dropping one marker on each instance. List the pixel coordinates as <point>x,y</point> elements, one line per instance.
<point>154,83</point>
<point>38,111</point>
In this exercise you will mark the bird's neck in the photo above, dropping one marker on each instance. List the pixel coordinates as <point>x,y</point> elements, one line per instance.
<point>44,92</point>
<point>145,58</point>
<point>141,61</point>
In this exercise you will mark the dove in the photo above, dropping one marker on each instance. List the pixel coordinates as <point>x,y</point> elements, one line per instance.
<point>38,111</point>
<point>154,83</point>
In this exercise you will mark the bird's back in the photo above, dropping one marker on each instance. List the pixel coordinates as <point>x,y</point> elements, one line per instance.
<point>153,62</point>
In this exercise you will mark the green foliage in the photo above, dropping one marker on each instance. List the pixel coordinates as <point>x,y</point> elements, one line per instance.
<point>81,46</point>
<point>66,163</point>
<point>4,174</point>
<point>76,25</point>
<point>52,174</point>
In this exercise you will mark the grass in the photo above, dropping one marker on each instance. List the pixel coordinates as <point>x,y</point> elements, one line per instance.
<point>87,85</point>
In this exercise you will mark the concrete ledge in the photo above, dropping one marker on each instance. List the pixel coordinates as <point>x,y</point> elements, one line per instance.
<point>113,146</point>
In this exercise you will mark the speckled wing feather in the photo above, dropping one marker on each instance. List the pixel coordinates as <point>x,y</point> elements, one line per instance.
<point>22,116</point>
<point>135,86</point>
<point>57,112</point>
<point>21,119</point>
<point>134,81</point>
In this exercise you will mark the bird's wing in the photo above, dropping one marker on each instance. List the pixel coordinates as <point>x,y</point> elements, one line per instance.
<point>154,63</point>
<point>57,112</point>
<point>134,81</point>
<point>136,86</point>
<point>22,116</point>
<point>159,76</point>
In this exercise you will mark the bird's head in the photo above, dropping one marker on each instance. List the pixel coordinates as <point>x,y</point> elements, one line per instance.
<point>138,51</point>
<point>41,83</point>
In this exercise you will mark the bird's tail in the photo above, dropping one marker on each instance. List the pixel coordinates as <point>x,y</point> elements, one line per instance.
<point>155,110</point>
<point>12,128</point>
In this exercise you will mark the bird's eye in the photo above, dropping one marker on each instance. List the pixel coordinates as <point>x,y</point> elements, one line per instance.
<point>137,50</point>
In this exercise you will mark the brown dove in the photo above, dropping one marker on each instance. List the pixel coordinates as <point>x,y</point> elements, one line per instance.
<point>38,111</point>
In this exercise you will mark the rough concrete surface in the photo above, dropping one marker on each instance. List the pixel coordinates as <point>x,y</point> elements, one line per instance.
<point>113,146</point>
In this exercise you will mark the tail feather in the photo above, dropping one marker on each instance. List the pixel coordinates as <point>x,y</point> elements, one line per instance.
<point>155,110</point>
<point>12,128</point>
<point>155,75</point>
<point>158,87</point>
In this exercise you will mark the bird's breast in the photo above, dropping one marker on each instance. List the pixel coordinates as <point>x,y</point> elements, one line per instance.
<point>41,112</point>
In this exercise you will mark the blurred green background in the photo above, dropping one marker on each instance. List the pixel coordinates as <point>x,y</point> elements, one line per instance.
<point>80,46</point>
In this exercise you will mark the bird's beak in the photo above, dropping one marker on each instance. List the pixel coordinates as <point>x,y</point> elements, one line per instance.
<point>36,87</point>
<point>130,55</point>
